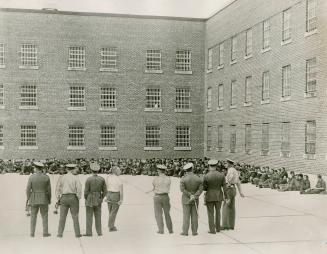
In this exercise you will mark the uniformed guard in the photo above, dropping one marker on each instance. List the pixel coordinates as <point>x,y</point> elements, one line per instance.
<point>94,192</point>
<point>38,194</point>
<point>191,187</point>
<point>69,192</point>
<point>214,184</point>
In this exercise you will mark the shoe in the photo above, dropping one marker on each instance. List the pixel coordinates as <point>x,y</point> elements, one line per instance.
<point>171,232</point>
<point>112,229</point>
<point>78,236</point>
<point>87,235</point>
<point>60,236</point>
<point>32,235</point>
<point>46,235</point>
<point>194,234</point>
<point>211,232</point>
<point>184,234</point>
<point>100,234</point>
<point>222,228</point>
<point>160,232</point>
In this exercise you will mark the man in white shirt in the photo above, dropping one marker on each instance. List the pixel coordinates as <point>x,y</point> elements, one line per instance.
<point>114,196</point>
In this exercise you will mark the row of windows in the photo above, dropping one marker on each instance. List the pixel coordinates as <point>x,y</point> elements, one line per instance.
<point>107,136</point>
<point>310,86</point>
<point>108,58</point>
<point>311,26</point>
<point>108,97</point>
<point>285,138</point>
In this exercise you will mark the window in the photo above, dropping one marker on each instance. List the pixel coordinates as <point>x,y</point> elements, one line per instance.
<point>1,135</point>
<point>265,86</point>
<point>28,96</point>
<point>153,98</point>
<point>108,98</point>
<point>221,54</point>
<point>265,139</point>
<point>108,59</point>
<point>286,34</point>
<point>2,55</point>
<point>248,90</point>
<point>28,56</point>
<point>209,138</point>
<point>76,135</point>
<point>2,103</point>
<point>220,96</point>
<point>232,140</point>
<point>248,42</point>
<point>183,136</point>
<point>28,135</point>
<point>311,77</point>
<point>153,60</point>
<point>233,49</point>
<point>286,139</point>
<point>76,59</point>
<point>286,81</point>
<point>107,136</point>
<point>311,15</point>
<point>76,96</point>
<point>266,34</point>
<point>233,93</point>
<point>183,98</point>
<point>152,136</point>
<point>248,138</point>
<point>310,137</point>
<point>209,98</point>
<point>183,61</point>
<point>209,59</point>
<point>220,138</point>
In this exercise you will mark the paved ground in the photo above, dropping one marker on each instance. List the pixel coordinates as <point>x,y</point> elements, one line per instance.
<point>267,222</point>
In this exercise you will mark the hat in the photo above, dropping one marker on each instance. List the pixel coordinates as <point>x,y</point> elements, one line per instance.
<point>230,161</point>
<point>71,166</point>
<point>38,164</point>
<point>188,166</point>
<point>94,166</point>
<point>212,162</point>
<point>161,167</point>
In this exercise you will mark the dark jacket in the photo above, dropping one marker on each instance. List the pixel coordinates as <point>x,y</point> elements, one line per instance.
<point>38,189</point>
<point>214,184</point>
<point>190,184</point>
<point>95,190</point>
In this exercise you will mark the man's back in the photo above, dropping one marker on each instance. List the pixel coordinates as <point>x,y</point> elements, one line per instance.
<point>39,189</point>
<point>213,183</point>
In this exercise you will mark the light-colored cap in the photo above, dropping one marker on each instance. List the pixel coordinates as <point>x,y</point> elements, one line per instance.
<point>94,166</point>
<point>38,164</point>
<point>230,161</point>
<point>187,166</point>
<point>212,162</point>
<point>71,166</point>
<point>161,167</point>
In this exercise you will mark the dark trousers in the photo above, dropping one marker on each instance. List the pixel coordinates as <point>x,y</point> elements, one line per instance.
<point>190,213</point>
<point>69,202</point>
<point>162,205</point>
<point>44,214</point>
<point>96,211</point>
<point>214,219</point>
<point>113,207</point>
<point>228,211</point>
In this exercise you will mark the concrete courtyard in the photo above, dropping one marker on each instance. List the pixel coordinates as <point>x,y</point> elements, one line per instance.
<point>267,222</point>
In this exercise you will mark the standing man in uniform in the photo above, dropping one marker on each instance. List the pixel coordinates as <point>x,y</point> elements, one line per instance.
<point>38,194</point>
<point>214,184</point>
<point>69,192</point>
<point>94,192</point>
<point>191,187</point>
<point>161,188</point>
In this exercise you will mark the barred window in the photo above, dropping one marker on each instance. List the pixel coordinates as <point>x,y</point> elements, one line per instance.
<point>248,89</point>
<point>209,138</point>
<point>28,55</point>
<point>265,86</point>
<point>152,136</point>
<point>310,137</point>
<point>286,139</point>
<point>76,135</point>
<point>28,95</point>
<point>1,95</point>
<point>108,136</point>
<point>286,81</point>
<point>1,135</point>
<point>286,34</point>
<point>233,93</point>
<point>183,136</point>
<point>220,95</point>
<point>76,59</point>
<point>209,98</point>
<point>28,135</point>
<point>248,42</point>
<point>183,98</point>
<point>311,19</point>
<point>153,60</point>
<point>153,98</point>
<point>220,138</point>
<point>2,54</point>
<point>233,48</point>
<point>108,97</point>
<point>108,58</point>
<point>232,139</point>
<point>311,76</point>
<point>265,139</point>
<point>221,54</point>
<point>210,59</point>
<point>76,96</point>
<point>266,34</point>
<point>183,60</point>
<point>248,138</point>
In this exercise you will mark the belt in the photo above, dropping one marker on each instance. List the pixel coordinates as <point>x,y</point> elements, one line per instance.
<point>230,185</point>
<point>160,194</point>
<point>114,191</point>
<point>69,194</point>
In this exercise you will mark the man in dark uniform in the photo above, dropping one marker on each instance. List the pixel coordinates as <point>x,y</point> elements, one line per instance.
<point>214,184</point>
<point>38,194</point>
<point>94,192</point>
<point>191,187</point>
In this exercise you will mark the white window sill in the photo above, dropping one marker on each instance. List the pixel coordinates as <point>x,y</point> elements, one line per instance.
<point>2,66</point>
<point>310,95</point>
<point>28,147</point>
<point>76,69</point>
<point>183,110</point>
<point>22,67</point>
<point>108,69</point>
<point>283,43</point>
<point>233,62</point>
<point>29,107</point>
<point>307,34</point>
<point>309,156</point>
<point>2,148</point>
<point>219,149</point>
<point>247,104</point>
<point>249,152</point>
<point>220,67</point>
<point>264,153</point>
<point>288,98</point>
<point>182,148</point>
<point>108,148</point>
<point>208,110</point>
<point>153,71</point>
<point>2,107</point>
<point>76,108</point>
<point>209,71</point>
<point>248,57</point>
<point>183,72</point>
<point>76,148</point>
<point>265,102</point>
<point>265,50</point>
<point>108,109</point>
<point>220,108</point>
<point>159,148</point>
<point>232,106</point>
<point>285,155</point>
<point>153,109</point>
